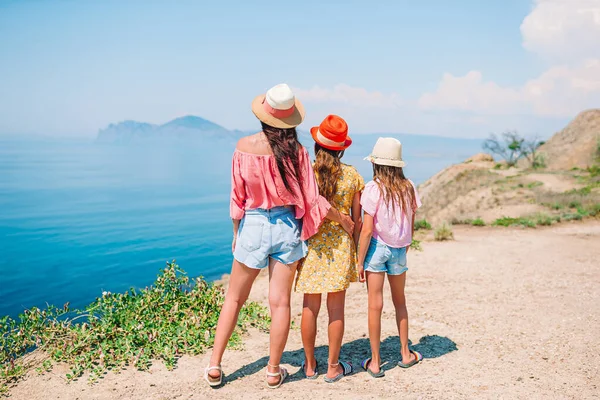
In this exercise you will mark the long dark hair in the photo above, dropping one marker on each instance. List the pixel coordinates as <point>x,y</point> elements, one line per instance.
<point>328,169</point>
<point>394,187</point>
<point>285,146</point>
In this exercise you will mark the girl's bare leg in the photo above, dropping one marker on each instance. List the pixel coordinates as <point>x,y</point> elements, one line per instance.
<point>240,283</point>
<point>335,307</point>
<point>308,327</point>
<point>375,282</point>
<point>281,278</point>
<point>397,283</point>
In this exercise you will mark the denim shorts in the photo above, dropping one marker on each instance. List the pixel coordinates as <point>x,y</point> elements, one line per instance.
<point>383,258</point>
<point>265,234</point>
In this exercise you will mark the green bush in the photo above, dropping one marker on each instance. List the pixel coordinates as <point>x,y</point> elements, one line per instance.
<point>535,184</point>
<point>509,221</point>
<point>173,317</point>
<point>422,224</point>
<point>416,245</point>
<point>478,222</point>
<point>443,232</point>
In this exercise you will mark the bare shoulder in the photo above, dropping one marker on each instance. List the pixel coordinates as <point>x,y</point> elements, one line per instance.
<point>254,144</point>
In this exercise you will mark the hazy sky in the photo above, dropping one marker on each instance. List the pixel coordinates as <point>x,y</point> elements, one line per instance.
<point>457,68</point>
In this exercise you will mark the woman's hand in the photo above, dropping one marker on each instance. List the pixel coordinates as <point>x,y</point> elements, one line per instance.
<point>233,244</point>
<point>361,273</point>
<point>347,224</point>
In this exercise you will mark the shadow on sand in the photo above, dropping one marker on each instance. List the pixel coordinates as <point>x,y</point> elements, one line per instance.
<point>355,352</point>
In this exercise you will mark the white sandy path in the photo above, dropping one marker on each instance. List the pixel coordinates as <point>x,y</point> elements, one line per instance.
<point>498,313</point>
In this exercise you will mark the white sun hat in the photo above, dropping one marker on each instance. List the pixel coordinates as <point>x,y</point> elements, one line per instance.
<point>278,107</point>
<point>387,151</point>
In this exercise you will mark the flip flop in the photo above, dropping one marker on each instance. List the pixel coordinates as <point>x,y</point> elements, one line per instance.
<point>282,374</point>
<point>418,359</point>
<point>313,376</point>
<point>213,382</point>
<point>365,365</point>
<point>346,370</point>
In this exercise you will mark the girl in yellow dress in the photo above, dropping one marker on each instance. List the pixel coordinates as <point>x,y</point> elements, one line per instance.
<point>330,265</point>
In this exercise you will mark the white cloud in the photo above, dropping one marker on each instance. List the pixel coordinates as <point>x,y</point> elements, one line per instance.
<point>562,30</point>
<point>561,91</point>
<point>472,93</point>
<point>565,30</point>
<point>346,94</point>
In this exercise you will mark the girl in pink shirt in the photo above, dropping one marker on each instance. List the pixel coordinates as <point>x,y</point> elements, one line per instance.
<point>275,206</point>
<point>389,202</point>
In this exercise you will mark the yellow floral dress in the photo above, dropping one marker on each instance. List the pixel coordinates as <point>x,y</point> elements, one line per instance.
<point>330,264</point>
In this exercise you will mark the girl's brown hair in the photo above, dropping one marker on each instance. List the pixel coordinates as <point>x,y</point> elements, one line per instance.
<point>394,187</point>
<point>286,147</point>
<point>328,169</point>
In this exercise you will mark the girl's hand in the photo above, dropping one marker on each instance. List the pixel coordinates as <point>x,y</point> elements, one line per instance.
<point>347,224</point>
<point>233,244</point>
<point>361,273</point>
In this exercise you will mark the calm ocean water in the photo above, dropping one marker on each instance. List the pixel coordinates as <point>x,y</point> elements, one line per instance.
<point>77,218</point>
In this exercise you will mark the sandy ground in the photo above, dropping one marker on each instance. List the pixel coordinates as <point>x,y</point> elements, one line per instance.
<point>498,313</point>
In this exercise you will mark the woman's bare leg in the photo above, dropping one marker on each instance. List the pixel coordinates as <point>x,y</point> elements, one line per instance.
<point>397,283</point>
<point>335,307</point>
<point>281,278</point>
<point>375,282</point>
<point>308,328</point>
<point>240,283</point>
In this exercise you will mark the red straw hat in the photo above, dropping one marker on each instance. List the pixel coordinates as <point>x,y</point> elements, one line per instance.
<point>332,134</point>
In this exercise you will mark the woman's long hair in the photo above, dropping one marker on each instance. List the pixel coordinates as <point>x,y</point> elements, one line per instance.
<point>328,169</point>
<point>285,146</point>
<point>394,187</point>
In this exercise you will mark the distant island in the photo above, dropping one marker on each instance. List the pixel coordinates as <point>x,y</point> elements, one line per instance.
<point>184,128</point>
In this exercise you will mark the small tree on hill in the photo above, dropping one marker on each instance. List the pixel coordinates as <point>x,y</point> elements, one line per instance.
<point>509,145</point>
<point>531,146</point>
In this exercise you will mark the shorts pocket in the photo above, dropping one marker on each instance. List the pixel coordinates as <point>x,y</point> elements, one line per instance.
<point>251,236</point>
<point>289,232</point>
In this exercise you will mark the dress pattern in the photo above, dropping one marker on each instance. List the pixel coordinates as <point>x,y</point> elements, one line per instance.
<point>330,265</point>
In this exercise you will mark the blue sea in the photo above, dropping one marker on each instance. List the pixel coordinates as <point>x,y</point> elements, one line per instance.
<point>78,218</point>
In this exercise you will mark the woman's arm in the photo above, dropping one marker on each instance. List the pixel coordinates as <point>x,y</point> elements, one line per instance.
<point>344,220</point>
<point>356,217</point>
<point>363,244</point>
<point>236,228</point>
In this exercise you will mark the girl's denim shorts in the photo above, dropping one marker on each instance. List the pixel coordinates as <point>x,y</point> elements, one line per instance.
<point>265,234</point>
<point>383,258</point>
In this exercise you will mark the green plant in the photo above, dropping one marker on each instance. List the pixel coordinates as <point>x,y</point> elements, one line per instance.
<point>535,184</point>
<point>175,316</point>
<point>416,245</point>
<point>572,217</point>
<point>478,222</point>
<point>456,221</point>
<point>539,161</point>
<point>422,224</point>
<point>509,221</point>
<point>443,232</point>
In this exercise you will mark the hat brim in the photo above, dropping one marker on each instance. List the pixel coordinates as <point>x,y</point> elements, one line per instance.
<point>315,129</point>
<point>385,161</point>
<point>283,123</point>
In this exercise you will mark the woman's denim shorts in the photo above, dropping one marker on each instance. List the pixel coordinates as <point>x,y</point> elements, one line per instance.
<point>265,234</point>
<point>383,258</point>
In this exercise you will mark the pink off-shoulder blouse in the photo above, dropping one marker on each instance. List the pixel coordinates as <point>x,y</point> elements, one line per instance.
<point>256,183</point>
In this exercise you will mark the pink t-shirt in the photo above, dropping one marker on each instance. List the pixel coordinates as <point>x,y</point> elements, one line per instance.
<point>256,183</point>
<point>392,227</point>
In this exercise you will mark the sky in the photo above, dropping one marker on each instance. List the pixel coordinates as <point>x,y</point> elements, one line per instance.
<point>461,68</point>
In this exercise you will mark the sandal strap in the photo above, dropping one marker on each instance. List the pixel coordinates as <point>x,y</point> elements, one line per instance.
<point>214,367</point>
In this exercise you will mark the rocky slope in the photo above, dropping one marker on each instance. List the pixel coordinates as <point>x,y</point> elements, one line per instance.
<point>479,189</point>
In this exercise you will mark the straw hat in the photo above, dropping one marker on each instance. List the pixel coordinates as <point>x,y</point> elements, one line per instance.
<point>332,134</point>
<point>278,107</point>
<point>387,151</point>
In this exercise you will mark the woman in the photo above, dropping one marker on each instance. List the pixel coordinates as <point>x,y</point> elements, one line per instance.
<point>330,265</point>
<point>275,207</point>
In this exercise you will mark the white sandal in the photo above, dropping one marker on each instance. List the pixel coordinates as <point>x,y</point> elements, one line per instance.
<point>213,382</point>
<point>282,374</point>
